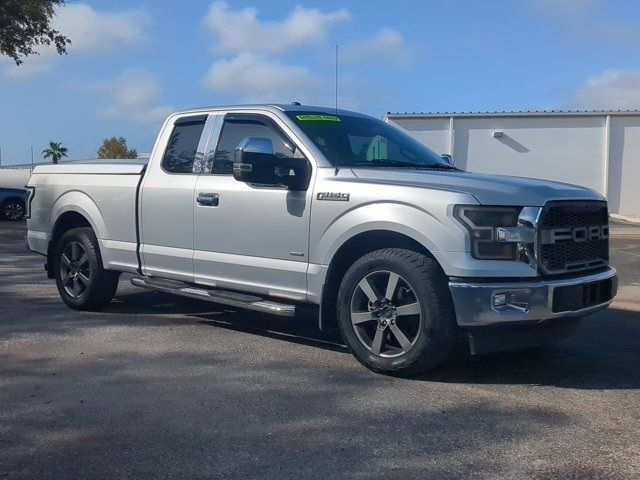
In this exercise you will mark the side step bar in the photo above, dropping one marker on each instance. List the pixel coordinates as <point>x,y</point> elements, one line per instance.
<point>225,297</point>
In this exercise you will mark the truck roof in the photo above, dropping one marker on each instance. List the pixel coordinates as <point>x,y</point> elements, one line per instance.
<point>283,107</point>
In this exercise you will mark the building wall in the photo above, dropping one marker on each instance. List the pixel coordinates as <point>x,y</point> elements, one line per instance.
<point>434,132</point>
<point>564,148</point>
<point>624,166</point>
<point>14,178</point>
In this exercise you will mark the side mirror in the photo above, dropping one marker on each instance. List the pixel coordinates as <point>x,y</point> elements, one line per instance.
<point>448,159</point>
<point>255,162</point>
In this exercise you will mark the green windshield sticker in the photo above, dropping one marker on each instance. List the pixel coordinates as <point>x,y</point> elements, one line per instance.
<point>321,118</point>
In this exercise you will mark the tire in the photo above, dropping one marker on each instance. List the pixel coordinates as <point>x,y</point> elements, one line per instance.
<point>13,209</point>
<point>420,309</point>
<point>82,282</point>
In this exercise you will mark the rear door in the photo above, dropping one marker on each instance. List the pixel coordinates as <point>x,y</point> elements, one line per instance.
<point>167,198</point>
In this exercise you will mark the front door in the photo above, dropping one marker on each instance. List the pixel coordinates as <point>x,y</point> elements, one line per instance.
<point>248,237</point>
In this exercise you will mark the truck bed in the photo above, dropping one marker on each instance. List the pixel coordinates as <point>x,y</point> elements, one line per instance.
<point>103,191</point>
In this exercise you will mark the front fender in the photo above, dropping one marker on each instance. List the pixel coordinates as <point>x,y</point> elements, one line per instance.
<point>425,228</point>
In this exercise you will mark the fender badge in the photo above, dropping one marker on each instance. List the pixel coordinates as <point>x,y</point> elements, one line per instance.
<point>334,196</point>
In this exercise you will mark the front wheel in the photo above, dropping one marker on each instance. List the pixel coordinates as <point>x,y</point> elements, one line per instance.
<point>82,281</point>
<point>395,312</point>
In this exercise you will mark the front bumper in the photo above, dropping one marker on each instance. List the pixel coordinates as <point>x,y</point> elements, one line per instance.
<point>492,303</point>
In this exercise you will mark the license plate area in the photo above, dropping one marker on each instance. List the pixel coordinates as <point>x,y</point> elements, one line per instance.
<point>576,297</point>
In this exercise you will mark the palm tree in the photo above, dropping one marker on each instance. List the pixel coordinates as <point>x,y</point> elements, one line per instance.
<point>56,151</point>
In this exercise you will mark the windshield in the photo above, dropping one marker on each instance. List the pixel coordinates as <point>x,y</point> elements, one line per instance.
<point>349,141</point>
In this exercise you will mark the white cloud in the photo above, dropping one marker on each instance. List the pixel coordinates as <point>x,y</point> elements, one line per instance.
<point>93,31</point>
<point>387,45</point>
<point>254,68</point>
<point>132,96</point>
<point>252,71</point>
<point>256,77</point>
<point>613,89</point>
<point>242,32</point>
<point>89,31</point>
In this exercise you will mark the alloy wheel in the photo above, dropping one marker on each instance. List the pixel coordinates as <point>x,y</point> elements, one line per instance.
<point>386,314</point>
<point>14,211</point>
<point>75,271</point>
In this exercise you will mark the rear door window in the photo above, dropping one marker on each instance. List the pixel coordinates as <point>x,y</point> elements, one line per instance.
<point>181,155</point>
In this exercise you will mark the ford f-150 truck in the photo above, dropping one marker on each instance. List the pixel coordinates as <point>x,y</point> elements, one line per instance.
<point>277,207</point>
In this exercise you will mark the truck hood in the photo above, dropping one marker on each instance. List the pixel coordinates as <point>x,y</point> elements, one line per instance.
<point>487,189</point>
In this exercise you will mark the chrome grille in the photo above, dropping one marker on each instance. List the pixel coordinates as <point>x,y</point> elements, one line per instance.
<point>573,236</point>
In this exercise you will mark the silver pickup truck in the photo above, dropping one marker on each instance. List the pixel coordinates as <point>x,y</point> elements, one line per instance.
<point>276,208</point>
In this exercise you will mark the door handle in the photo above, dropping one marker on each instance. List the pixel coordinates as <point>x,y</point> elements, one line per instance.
<point>208,199</point>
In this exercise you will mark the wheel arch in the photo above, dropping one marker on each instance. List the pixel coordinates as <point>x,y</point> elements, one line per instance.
<point>348,252</point>
<point>66,221</point>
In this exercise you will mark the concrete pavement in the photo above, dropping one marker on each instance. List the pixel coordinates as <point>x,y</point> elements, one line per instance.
<point>163,387</point>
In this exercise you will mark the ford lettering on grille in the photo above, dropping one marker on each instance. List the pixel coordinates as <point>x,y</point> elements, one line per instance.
<point>573,236</point>
<point>576,234</point>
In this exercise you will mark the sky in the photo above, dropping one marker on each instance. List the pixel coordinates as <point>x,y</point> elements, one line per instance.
<point>133,62</point>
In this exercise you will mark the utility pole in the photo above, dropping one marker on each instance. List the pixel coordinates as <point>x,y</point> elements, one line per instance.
<point>31,160</point>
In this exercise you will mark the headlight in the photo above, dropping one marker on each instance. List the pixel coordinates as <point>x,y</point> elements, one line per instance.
<point>494,231</point>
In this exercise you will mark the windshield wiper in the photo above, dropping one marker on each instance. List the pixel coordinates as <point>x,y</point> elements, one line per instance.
<point>401,164</point>
<point>439,167</point>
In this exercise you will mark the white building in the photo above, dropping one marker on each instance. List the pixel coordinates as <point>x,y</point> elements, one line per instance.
<point>14,177</point>
<point>600,150</point>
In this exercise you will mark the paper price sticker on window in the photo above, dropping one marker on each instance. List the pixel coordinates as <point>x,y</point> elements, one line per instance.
<point>321,118</point>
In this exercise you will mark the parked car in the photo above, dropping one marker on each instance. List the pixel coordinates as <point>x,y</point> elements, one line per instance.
<point>12,203</point>
<point>275,208</point>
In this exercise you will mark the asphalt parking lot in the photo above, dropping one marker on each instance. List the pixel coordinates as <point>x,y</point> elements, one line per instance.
<point>163,387</point>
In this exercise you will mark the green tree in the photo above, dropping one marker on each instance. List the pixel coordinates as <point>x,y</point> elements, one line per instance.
<point>55,151</point>
<point>26,24</point>
<point>116,148</point>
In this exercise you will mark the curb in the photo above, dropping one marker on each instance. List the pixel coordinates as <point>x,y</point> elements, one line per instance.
<point>626,218</point>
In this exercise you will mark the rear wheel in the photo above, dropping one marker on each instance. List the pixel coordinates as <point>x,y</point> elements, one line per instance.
<point>395,312</point>
<point>13,209</point>
<point>82,282</point>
